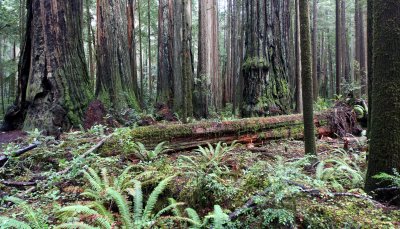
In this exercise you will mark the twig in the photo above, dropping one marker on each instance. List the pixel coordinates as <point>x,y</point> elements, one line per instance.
<point>18,183</point>
<point>90,151</point>
<point>4,158</point>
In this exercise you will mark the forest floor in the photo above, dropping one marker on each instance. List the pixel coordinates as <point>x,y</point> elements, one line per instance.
<point>264,185</point>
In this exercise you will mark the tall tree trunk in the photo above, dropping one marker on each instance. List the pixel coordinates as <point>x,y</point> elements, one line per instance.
<point>89,42</point>
<point>115,86</point>
<point>299,89</point>
<point>265,69</point>
<point>357,46</point>
<point>149,52</point>
<point>363,53</point>
<point>187,64</point>
<point>384,155</point>
<point>53,82</point>
<point>132,45</point>
<point>338,47</point>
<point>140,57</point>
<point>315,50</point>
<point>370,61</point>
<point>229,46</point>
<point>165,82</point>
<point>2,76</point>
<point>207,85</point>
<point>307,80</point>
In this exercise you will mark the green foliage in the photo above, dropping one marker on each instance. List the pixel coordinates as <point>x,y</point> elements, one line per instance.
<point>34,218</point>
<point>282,216</point>
<point>140,151</point>
<point>323,104</point>
<point>143,216</point>
<point>394,179</point>
<point>360,111</point>
<point>340,172</point>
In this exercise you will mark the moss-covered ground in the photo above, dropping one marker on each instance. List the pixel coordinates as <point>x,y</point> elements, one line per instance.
<point>230,180</point>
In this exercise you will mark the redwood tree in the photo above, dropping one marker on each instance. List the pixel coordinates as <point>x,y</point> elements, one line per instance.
<point>53,81</point>
<point>115,85</point>
<point>384,154</point>
<point>265,68</point>
<point>208,90</point>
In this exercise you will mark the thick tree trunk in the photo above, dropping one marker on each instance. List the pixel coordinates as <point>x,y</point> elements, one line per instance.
<point>187,64</point>
<point>370,36</point>
<point>208,83</point>
<point>89,43</point>
<point>140,57</point>
<point>384,153</point>
<point>115,85</point>
<point>252,130</point>
<point>149,52</point>
<point>265,68</point>
<point>307,80</point>
<point>165,82</point>
<point>53,82</point>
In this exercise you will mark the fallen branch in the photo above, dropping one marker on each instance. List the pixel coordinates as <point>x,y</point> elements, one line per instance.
<point>18,183</point>
<point>250,204</point>
<point>5,158</point>
<point>90,151</point>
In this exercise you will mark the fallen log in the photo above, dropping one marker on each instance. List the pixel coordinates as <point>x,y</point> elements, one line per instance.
<point>251,130</point>
<point>5,158</point>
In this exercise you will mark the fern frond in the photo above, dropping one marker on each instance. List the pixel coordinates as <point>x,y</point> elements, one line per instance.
<point>153,198</point>
<point>75,225</point>
<point>6,223</point>
<point>194,216</point>
<point>30,215</point>
<point>167,209</point>
<point>103,211</point>
<point>220,218</point>
<point>122,205</point>
<point>137,200</point>
<point>176,210</point>
<point>94,181</point>
<point>106,181</point>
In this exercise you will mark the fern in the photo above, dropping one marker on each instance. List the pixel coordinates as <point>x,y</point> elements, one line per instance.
<point>140,151</point>
<point>34,218</point>
<point>75,225</point>
<point>6,223</point>
<point>220,218</point>
<point>151,202</point>
<point>123,207</point>
<point>74,210</point>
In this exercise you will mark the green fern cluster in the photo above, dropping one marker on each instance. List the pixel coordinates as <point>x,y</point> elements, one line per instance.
<point>104,192</point>
<point>34,219</point>
<point>340,172</point>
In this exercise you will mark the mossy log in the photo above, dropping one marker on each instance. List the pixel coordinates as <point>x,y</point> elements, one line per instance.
<point>187,136</point>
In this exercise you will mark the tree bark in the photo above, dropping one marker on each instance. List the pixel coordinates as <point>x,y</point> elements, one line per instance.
<point>165,82</point>
<point>299,89</point>
<point>307,80</point>
<point>115,85</point>
<point>265,68</point>
<point>53,82</point>
<point>338,47</point>
<point>208,83</point>
<point>132,45</point>
<point>315,50</point>
<point>384,155</point>
<point>149,52</point>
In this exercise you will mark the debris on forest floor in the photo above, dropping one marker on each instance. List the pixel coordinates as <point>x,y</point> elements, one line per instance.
<point>54,170</point>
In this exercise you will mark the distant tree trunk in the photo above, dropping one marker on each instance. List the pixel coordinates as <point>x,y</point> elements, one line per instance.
<point>149,48</point>
<point>165,82</point>
<point>307,80</point>
<point>132,45</point>
<point>89,42</point>
<point>331,72</point>
<point>2,77</point>
<point>315,50</point>
<point>265,69</point>
<point>115,86</point>
<point>53,82</point>
<point>384,154</point>
<point>363,53</point>
<point>345,45</point>
<point>208,85</point>
<point>338,47</point>
<point>299,89</point>
<point>228,66</point>
<point>140,57</point>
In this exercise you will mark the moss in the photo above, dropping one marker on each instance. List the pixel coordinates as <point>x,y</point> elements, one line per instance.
<point>252,63</point>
